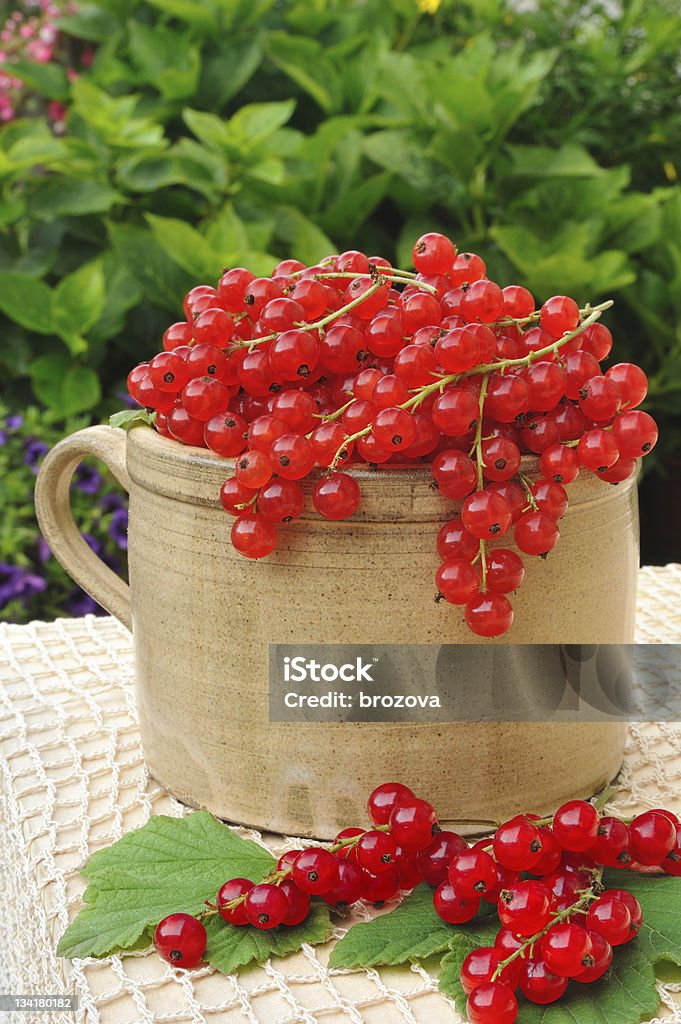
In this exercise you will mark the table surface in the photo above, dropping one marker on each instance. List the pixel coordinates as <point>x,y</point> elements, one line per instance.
<point>73,780</point>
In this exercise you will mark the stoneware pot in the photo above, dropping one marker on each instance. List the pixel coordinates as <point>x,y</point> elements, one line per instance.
<point>202,619</point>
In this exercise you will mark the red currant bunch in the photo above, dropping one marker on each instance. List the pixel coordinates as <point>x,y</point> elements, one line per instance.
<point>315,370</point>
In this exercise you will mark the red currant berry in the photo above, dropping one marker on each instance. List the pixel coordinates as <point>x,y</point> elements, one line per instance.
<point>452,907</point>
<point>518,302</point>
<point>525,907</point>
<point>599,399</point>
<point>489,614</point>
<point>227,893</point>
<point>455,473</point>
<point>337,496</point>
<point>455,412</point>
<point>292,456</point>
<point>232,289</point>
<point>632,905</point>
<point>597,450</point>
<point>225,434</point>
<point>315,871</point>
<point>351,886</point>
<point>501,458</point>
<point>254,536</point>
<point>492,1003</point>
<point>213,327</point>
<point>382,887</point>
<point>385,798</point>
<point>479,967</point>
<point>466,268</point>
<point>560,464</point>
<point>559,315</point>
<point>294,354</point>
<point>253,469</point>
<point>456,581</point>
<point>169,372</point>
<point>536,533</point>
<point>454,541</point>
<point>483,301</point>
<point>342,350</point>
<point>176,335</point>
<point>547,383</point>
<point>473,872</point>
<point>185,428</point>
<point>652,837</point>
<point>433,861</point>
<point>631,383</point>
<point>518,844</point>
<point>611,846</point>
<point>204,397</point>
<point>567,950</point>
<point>234,494</point>
<point>575,825</point>
<point>394,428</point>
<point>433,253</point>
<point>457,350</point>
<point>266,906</point>
<point>375,851</point>
<point>415,366</point>
<point>180,940</point>
<point>611,918</point>
<point>298,903</point>
<point>635,433</point>
<point>601,952</point>
<point>486,514</point>
<point>596,339</point>
<point>281,501</point>
<point>413,823</point>
<point>539,985</point>
<point>507,396</point>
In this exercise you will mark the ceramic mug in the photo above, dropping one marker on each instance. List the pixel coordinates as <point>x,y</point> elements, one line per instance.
<point>202,618</point>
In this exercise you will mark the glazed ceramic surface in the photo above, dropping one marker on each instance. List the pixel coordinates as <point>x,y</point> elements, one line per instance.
<point>203,618</point>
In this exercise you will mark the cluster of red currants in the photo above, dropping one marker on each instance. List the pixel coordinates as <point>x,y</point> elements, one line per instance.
<point>558,921</point>
<point>398,852</point>
<point>351,361</point>
<point>544,875</point>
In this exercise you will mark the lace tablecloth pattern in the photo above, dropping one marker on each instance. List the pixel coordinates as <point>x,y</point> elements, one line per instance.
<point>74,780</point>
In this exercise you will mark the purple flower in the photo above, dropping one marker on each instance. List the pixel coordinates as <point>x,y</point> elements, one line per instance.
<point>33,452</point>
<point>127,399</point>
<point>112,501</point>
<point>44,550</point>
<point>93,543</point>
<point>14,422</point>
<point>17,582</point>
<point>118,528</point>
<point>79,603</point>
<point>3,438</point>
<point>87,479</point>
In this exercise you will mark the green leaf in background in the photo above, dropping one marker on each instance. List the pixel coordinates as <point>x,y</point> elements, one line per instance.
<point>186,247</point>
<point>256,122</point>
<point>77,197</point>
<point>230,948</point>
<point>199,13</point>
<point>26,300</point>
<point>77,304</point>
<point>185,163</point>
<point>304,61</point>
<point>412,931</point>
<point>240,60</point>
<point>165,58</point>
<point>306,241</point>
<point>161,280</point>
<point>169,865</point>
<point>89,21</point>
<point>65,387</point>
<point>47,80</point>
<point>627,996</point>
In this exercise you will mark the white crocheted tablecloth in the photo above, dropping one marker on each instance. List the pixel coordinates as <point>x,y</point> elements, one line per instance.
<point>73,780</point>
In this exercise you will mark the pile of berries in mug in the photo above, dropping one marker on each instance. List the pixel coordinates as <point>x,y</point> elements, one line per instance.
<point>351,361</point>
<point>544,875</point>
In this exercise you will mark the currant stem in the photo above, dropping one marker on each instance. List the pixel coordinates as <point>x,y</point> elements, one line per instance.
<point>254,342</point>
<point>580,906</point>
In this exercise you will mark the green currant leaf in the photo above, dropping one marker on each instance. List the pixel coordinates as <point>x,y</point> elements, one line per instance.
<point>170,865</point>
<point>411,932</point>
<point>127,418</point>
<point>26,300</point>
<point>230,948</point>
<point>627,995</point>
<point>77,303</point>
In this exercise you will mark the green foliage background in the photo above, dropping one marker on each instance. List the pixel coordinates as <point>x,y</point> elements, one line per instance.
<point>215,132</point>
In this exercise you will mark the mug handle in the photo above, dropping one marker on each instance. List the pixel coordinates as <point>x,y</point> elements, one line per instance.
<point>55,518</point>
